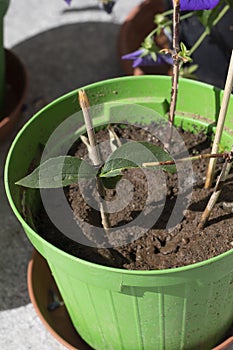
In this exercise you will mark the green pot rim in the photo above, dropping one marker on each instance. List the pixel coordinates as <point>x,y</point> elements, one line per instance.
<point>90,264</point>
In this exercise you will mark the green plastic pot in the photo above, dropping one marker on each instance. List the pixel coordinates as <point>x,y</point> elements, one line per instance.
<point>184,308</point>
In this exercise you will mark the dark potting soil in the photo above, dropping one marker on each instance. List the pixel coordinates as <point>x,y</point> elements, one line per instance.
<point>159,247</point>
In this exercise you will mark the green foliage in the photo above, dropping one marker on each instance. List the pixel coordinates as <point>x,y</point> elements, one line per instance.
<point>65,170</point>
<point>149,48</point>
<point>163,23</point>
<point>58,172</point>
<point>184,53</point>
<point>133,155</point>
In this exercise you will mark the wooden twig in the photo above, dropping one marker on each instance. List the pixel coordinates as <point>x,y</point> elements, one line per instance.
<point>225,155</point>
<point>95,156</point>
<point>215,195</point>
<point>228,156</point>
<point>220,123</point>
<point>176,64</point>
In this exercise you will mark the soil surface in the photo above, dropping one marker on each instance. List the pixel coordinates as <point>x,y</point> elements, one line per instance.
<point>161,244</point>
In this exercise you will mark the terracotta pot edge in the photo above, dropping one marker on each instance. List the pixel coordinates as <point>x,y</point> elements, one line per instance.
<point>12,117</point>
<point>124,29</point>
<point>34,303</point>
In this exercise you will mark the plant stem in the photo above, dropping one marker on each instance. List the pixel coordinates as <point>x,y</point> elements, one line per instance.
<point>224,155</point>
<point>188,15</point>
<point>95,156</point>
<point>215,195</point>
<point>199,41</point>
<point>169,22</point>
<point>207,30</point>
<point>176,64</point>
<point>220,123</point>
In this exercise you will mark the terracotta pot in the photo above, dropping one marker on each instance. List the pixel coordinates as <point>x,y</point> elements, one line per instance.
<point>225,345</point>
<point>57,321</point>
<point>41,285</point>
<point>16,88</point>
<point>138,24</point>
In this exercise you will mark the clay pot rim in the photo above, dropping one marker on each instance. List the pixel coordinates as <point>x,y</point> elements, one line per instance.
<point>8,121</point>
<point>123,34</point>
<point>224,345</point>
<point>65,332</point>
<point>36,307</point>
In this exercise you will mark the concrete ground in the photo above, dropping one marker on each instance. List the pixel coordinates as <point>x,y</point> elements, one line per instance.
<point>62,48</point>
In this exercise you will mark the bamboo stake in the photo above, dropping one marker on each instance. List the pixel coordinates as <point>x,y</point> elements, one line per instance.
<point>220,123</point>
<point>228,156</point>
<point>85,106</point>
<point>215,195</point>
<point>95,155</point>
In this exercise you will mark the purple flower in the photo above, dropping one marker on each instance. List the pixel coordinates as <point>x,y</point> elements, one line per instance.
<point>107,5</point>
<point>68,2</point>
<point>194,5</point>
<point>143,58</point>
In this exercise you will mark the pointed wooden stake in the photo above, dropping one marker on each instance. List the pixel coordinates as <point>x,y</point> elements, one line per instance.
<point>215,195</point>
<point>220,123</point>
<point>95,155</point>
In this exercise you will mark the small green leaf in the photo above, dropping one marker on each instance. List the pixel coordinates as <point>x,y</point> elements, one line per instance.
<point>148,43</point>
<point>133,155</point>
<point>160,19</point>
<point>203,17</point>
<point>184,53</point>
<point>58,172</point>
<point>154,56</point>
<point>149,47</point>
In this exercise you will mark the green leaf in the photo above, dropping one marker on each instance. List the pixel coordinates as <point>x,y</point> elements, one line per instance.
<point>203,17</point>
<point>154,56</point>
<point>58,172</point>
<point>184,53</point>
<point>148,43</point>
<point>160,19</point>
<point>133,155</point>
